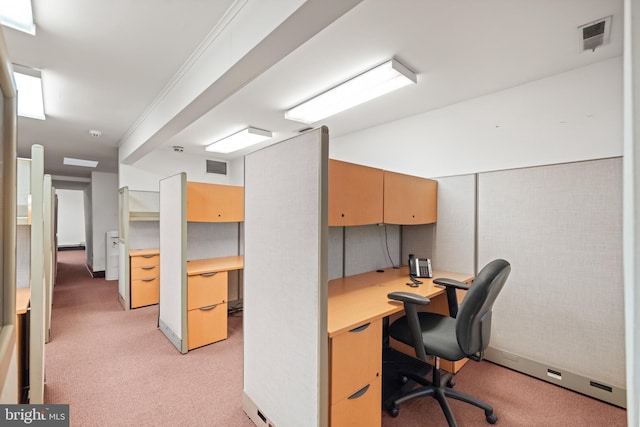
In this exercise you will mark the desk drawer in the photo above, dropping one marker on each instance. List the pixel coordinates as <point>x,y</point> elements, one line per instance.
<point>144,261</point>
<point>145,292</point>
<point>207,289</point>
<point>361,409</point>
<point>356,358</point>
<point>206,325</point>
<point>145,272</point>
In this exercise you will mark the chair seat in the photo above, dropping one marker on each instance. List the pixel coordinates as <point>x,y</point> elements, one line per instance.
<point>438,335</point>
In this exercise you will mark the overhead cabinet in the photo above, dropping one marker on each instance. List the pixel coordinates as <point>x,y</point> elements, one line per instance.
<point>355,194</point>
<point>214,203</point>
<point>362,195</point>
<point>409,199</point>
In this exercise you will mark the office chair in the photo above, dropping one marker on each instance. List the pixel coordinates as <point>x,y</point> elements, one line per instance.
<point>464,333</point>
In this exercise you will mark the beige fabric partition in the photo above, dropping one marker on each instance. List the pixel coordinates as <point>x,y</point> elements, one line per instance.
<point>285,279</point>
<point>560,227</point>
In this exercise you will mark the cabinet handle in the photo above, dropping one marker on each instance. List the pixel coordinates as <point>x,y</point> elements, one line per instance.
<point>148,256</point>
<point>211,307</point>
<point>149,267</point>
<point>360,328</point>
<point>148,279</point>
<point>209,274</point>
<point>360,392</point>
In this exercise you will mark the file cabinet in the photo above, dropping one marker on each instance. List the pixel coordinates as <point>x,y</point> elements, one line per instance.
<point>206,308</point>
<point>356,376</point>
<point>144,277</point>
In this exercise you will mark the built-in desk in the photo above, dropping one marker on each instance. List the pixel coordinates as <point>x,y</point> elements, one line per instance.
<point>356,306</point>
<point>207,296</point>
<point>23,297</point>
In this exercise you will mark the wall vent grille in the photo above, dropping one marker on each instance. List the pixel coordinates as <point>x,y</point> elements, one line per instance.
<point>214,166</point>
<point>594,34</point>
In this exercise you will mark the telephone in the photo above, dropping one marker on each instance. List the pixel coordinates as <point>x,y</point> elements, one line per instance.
<point>419,267</point>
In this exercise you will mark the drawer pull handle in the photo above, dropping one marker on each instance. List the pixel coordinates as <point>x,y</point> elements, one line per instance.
<point>209,274</point>
<point>360,392</point>
<point>360,328</point>
<point>148,256</point>
<point>149,267</point>
<point>211,307</point>
<point>149,279</point>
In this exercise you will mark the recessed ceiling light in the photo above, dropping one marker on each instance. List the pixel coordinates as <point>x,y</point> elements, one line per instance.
<point>95,133</point>
<point>18,15</point>
<point>29,88</point>
<point>70,161</point>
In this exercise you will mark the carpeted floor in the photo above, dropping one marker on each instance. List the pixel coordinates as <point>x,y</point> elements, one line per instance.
<point>115,368</point>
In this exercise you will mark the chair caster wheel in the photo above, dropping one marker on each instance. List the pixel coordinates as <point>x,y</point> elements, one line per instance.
<point>492,419</point>
<point>394,410</point>
<point>451,383</point>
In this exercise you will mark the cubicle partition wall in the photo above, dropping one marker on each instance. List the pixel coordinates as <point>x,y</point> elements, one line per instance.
<point>560,316</point>
<point>50,248</point>
<point>37,322</point>
<point>173,257</point>
<point>285,276</point>
<point>561,228</point>
<point>23,221</point>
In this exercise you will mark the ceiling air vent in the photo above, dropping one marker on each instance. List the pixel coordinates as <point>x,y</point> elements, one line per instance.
<point>594,34</point>
<point>214,166</point>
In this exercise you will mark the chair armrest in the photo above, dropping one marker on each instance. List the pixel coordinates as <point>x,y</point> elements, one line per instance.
<point>408,297</point>
<point>451,283</point>
<point>452,296</point>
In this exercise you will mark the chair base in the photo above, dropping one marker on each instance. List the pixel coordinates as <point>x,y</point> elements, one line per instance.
<point>440,392</point>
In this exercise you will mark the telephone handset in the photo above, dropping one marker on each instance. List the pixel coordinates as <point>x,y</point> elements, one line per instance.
<point>420,267</point>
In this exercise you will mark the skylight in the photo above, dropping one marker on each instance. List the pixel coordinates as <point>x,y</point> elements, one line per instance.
<point>29,85</point>
<point>17,14</point>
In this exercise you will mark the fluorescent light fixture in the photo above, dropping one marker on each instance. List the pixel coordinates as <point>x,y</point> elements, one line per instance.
<point>18,15</point>
<point>29,85</point>
<point>239,140</point>
<point>70,161</point>
<point>371,84</point>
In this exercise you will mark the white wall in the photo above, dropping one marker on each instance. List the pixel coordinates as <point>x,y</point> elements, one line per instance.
<point>568,117</point>
<point>104,208</point>
<point>146,174</point>
<point>71,227</point>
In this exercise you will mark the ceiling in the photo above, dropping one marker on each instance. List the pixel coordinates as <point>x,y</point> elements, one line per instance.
<point>106,63</point>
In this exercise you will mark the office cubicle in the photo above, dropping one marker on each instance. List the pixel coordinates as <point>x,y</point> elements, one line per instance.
<point>139,228</point>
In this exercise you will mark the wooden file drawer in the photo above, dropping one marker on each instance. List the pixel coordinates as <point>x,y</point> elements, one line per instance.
<point>362,409</point>
<point>206,325</point>
<point>206,289</point>
<point>144,261</point>
<point>145,292</point>
<point>144,277</point>
<point>356,359</point>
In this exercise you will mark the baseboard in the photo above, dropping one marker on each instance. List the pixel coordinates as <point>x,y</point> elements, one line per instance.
<point>569,380</point>
<point>71,248</point>
<point>171,336</point>
<point>254,413</point>
<point>97,274</point>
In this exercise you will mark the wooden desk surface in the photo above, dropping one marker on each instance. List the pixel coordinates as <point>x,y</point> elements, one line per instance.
<point>144,252</point>
<point>23,296</point>
<point>207,265</point>
<point>360,298</point>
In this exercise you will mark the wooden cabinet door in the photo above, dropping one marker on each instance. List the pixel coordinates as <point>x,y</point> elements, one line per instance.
<point>214,202</point>
<point>355,194</point>
<point>409,199</point>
